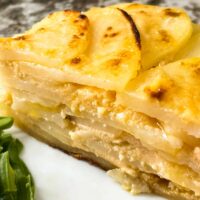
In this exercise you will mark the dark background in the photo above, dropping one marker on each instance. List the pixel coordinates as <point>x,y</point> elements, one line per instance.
<point>18,15</point>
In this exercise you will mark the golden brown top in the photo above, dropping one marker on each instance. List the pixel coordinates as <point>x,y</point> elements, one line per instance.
<point>103,47</point>
<point>92,46</point>
<point>163,31</point>
<point>169,93</point>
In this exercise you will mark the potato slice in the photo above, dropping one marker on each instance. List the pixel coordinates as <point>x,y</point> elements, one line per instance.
<point>53,41</point>
<point>192,47</point>
<point>115,53</point>
<point>163,31</point>
<point>169,93</point>
<point>91,48</point>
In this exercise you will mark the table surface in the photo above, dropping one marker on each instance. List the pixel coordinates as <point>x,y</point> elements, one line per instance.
<point>18,15</point>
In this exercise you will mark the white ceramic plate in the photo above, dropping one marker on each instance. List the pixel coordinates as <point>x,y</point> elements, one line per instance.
<point>59,176</point>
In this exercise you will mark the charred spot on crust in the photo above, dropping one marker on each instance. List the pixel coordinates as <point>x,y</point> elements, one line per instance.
<point>23,37</point>
<point>143,13</point>
<point>82,34</point>
<point>165,37</point>
<point>170,12</point>
<point>68,117</point>
<point>194,67</point>
<point>74,41</point>
<point>75,37</point>
<point>67,10</point>
<point>155,94</point>
<point>113,65</point>
<point>124,55</point>
<point>81,16</point>
<point>197,70</point>
<point>133,27</point>
<point>109,28</point>
<point>84,27</point>
<point>76,20</point>
<point>111,34</point>
<point>75,60</point>
<point>115,62</point>
<point>41,29</point>
<point>82,21</point>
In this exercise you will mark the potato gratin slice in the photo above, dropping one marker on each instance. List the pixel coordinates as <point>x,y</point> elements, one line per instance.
<point>118,86</point>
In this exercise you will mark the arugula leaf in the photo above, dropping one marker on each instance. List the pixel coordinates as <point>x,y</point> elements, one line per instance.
<point>7,175</point>
<point>16,182</point>
<point>24,179</point>
<point>5,122</point>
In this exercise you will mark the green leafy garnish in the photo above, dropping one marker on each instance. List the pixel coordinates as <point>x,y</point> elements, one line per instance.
<point>5,122</point>
<point>16,182</point>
